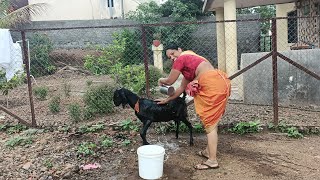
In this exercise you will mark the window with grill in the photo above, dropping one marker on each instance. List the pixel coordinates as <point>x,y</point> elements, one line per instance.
<point>292,27</point>
<point>110,3</point>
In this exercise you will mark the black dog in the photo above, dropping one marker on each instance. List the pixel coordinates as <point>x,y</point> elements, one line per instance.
<point>149,111</point>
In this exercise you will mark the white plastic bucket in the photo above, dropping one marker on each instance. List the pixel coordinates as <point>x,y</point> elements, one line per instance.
<point>150,160</point>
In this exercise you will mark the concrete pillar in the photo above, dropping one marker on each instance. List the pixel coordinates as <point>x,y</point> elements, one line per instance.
<point>230,36</point>
<point>231,49</point>
<point>221,40</point>
<point>157,56</point>
<point>282,26</point>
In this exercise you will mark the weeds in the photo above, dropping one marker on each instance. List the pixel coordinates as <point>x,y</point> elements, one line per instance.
<point>67,89</point>
<point>75,112</point>
<point>16,141</point>
<point>41,93</point>
<point>246,127</point>
<point>129,125</point>
<point>48,163</point>
<point>291,131</point>
<point>91,129</point>
<point>198,128</point>
<point>54,104</point>
<point>86,149</point>
<point>126,142</point>
<point>106,142</point>
<point>16,129</point>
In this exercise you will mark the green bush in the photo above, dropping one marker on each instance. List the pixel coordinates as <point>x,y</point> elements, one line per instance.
<point>41,92</point>
<point>75,112</point>
<point>154,75</point>
<point>110,55</point>
<point>6,86</point>
<point>132,47</point>
<point>40,48</point>
<point>167,65</point>
<point>54,105</point>
<point>19,140</point>
<point>133,76</point>
<point>246,127</point>
<point>99,100</point>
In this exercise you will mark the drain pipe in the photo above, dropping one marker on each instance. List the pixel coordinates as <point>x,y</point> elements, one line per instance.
<point>122,9</point>
<point>110,2</point>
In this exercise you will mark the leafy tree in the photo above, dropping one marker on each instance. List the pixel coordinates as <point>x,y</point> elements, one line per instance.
<point>146,13</point>
<point>10,17</point>
<point>177,11</point>
<point>186,8</point>
<point>268,11</point>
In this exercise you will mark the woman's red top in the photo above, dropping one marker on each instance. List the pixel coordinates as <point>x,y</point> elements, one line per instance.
<point>187,64</point>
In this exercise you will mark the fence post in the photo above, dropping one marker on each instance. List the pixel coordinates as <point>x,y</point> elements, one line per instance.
<point>145,59</point>
<point>26,63</point>
<point>275,72</point>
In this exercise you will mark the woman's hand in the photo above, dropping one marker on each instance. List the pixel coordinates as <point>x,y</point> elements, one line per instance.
<point>161,101</point>
<point>161,81</point>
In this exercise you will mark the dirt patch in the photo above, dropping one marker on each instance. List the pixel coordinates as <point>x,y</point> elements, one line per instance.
<point>53,154</point>
<point>72,57</point>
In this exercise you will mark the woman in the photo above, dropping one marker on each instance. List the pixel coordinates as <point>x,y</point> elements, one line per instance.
<point>210,89</point>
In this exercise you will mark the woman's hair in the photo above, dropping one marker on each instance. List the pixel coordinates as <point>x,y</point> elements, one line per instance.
<point>172,46</point>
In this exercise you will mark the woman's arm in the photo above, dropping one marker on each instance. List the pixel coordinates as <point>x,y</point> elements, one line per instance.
<point>173,76</point>
<point>177,92</point>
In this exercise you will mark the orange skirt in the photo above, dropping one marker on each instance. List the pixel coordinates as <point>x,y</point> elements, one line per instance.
<point>211,100</point>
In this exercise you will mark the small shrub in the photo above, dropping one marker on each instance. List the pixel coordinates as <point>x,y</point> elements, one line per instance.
<point>106,142</point>
<point>110,55</point>
<point>75,112</point>
<point>6,86</point>
<point>133,76</point>
<point>54,104</point>
<point>16,129</point>
<point>48,163</point>
<point>198,128</point>
<point>91,129</point>
<point>67,89</point>
<point>18,141</point>
<point>41,92</point>
<point>246,127</point>
<point>86,149</point>
<point>126,142</point>
<point>99,100</point>
<point>167,65</point>
<point>40,48</point>
<point>293,132</point>
<point>129,125</point>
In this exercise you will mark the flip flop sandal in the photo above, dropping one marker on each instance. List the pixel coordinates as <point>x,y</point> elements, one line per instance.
<point>207,166</point>
<point>201,154</point>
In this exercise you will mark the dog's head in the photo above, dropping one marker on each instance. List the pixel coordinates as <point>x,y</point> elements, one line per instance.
<point>119,98</point>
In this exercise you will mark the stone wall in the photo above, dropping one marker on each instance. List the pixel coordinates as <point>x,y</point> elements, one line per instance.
<point>204,38</point>
<point>295,86</point>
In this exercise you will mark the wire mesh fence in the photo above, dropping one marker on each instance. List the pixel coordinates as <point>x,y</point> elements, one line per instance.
<point>73,69</point>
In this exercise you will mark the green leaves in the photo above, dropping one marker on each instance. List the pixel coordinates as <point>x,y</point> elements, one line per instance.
<point>5,86</point>
<point>22,15</point>
<point>246,127</point>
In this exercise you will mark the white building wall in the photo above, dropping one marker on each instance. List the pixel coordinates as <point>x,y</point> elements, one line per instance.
<point>84,9</point>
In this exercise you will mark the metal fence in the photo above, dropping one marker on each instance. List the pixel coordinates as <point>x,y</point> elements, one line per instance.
<point>273,79</point>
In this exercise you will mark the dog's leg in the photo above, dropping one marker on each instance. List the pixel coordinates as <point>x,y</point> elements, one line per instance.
<point>185,121</point>
<point>143,131</point>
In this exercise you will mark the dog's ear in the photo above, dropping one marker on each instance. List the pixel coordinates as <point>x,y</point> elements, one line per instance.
<point>124,100</point>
